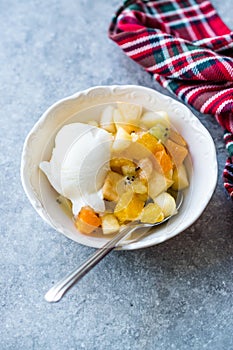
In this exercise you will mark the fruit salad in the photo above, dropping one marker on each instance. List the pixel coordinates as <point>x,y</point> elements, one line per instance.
<point>126,165</point>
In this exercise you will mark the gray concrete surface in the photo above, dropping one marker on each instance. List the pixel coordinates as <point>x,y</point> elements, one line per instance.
<point>177,295</point>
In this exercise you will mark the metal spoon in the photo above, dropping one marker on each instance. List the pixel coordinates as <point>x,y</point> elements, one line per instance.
<point>61,287</point>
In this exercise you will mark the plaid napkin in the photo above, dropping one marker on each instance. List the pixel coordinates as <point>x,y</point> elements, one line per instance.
<point>188,49</point>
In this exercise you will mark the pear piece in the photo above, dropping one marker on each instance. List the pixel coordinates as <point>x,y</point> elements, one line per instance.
<point>110,224</point>
<point>130,112</point>
<point>157,184</point>
<point>122,140</point>
<point>106,119</point>
<point>167,204</point>
<point>180,178</point>
<point>150,119</point>
<point>113,186</point>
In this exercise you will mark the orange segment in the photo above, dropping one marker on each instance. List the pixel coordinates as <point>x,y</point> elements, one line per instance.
<point>158,150</point>
<point>87,220</point>
<point>150,142</point>
<point>164,161</point>
<point>129,207</point>
<point>152,213</point>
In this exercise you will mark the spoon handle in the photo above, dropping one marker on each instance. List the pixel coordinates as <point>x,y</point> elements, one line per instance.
<point>61,287</point>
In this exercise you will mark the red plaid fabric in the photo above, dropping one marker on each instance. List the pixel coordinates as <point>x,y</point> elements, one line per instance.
<point>187,48</point>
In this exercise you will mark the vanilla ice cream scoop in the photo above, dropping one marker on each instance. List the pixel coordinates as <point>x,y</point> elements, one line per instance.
<point>79,164</point>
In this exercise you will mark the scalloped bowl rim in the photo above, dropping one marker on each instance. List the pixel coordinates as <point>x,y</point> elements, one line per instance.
<point>41,195</point>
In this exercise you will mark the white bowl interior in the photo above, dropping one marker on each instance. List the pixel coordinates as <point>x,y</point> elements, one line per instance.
<point>87,105</point>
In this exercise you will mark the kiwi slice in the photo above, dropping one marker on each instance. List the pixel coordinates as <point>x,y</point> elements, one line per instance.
<point>161,132</point>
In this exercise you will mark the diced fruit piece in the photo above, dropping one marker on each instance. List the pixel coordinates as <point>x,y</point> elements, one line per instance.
<point>129,207</point>
<point>137,151</point>
<point>87,220</point>
<point>136,185</point>
<point>177,152</point>
<point>128,170</point>
<point>150,119</point>
<point>118,118</point>
<point>158,183</point>
<point>163,161</point>
<point>118,164</point>
<point>151,214</point>
<point>110,224</point>
<point>167,203</point>
<point>180,178</point>
<point>145,168</point>
<point>177,138</point>
<point>88,215</point>
<point>130,112</point>
<point>113,186</point>
<point>106,119</point>
<point>161,132</point>
<point>129,125</point>
<point>157,149</point>
<point>66,205</point>
<point>122,140</point>
<point>150,142</point>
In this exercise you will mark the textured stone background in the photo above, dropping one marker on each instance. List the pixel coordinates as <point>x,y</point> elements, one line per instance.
<point>177,295</point>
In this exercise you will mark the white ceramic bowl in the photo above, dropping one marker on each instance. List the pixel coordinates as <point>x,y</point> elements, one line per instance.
<point>86,105</point>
